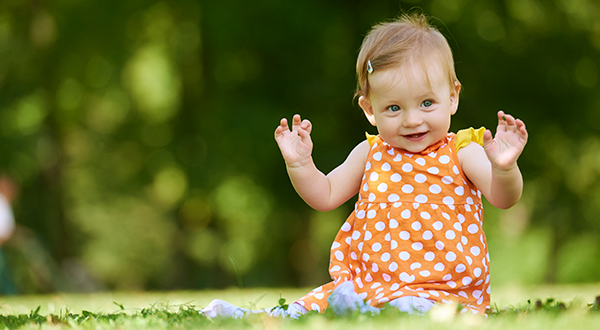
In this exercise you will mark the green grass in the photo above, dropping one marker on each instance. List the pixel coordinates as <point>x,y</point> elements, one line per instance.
<point>556,307</point>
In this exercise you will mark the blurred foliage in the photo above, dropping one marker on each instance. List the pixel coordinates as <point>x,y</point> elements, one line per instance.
<point>141,134</point>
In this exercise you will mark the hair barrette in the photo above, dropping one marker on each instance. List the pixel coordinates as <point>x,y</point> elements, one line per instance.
<point>369,67</point>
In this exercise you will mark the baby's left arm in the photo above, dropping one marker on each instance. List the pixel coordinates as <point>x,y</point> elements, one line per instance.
<point>493,168</point>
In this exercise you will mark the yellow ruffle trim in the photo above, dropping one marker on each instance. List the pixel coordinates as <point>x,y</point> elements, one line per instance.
<point>468,135</point>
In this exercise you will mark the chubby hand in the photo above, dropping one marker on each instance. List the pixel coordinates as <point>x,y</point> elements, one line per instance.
<point>504,149</point>
<point>295,145</point>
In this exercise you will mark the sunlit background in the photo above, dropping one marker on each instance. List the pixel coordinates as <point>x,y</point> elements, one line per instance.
<point>140,134</point>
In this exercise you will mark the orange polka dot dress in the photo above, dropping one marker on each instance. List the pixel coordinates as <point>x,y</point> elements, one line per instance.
<point>416,231</point>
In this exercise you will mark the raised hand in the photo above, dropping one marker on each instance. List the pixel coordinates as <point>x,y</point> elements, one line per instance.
<point>504,149</point>
<point>295,145</point>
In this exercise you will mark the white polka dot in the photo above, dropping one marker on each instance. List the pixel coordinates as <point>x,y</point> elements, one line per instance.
<point>447,179</point>
<point>469,200</point>
<point>467,280</point>
<point>406,167</point>
<point>457,226</point>
<point>376,247</point>
<point>382,187</point>
<point>339,255</point>
<point>346,227</point>
<point>404,255</point>
<point>380,226</point>
<point>433,170</point>
<point>460,268</point>
<point>463,294</point>
<point>451,284</point>
<point>368,235</point>
<point>385,257</point>
<point>447,277</point>
<point>424,273</point>
<point>335,268</point>
<point>477,294</point>
<point>368,278</point>
<point>473,228</point>
<point>469,260</point>
<point>429,256</point>
<point>416,225</point>
<point>368,166</point>
<point>398,158</point>
<point>388,237</point>
<point>455,169</point>
<point>315,307</point>
<point>393,245</point>
<point>320,295</point>
<point>420,161</point>
<point>392,198</point>
<point>415,265</point>
<point>420,178</point>
<point>348,240</point>
<point>407,189</point>
<point>393,267</point>
<point>374,176</point>
<point>386,277</point>
<point>444,159</point>
<point>358,281</point>
<point>459,190</point>
<point>446,215</point>
<point>404,235</point>
<point>372,197</point>
<point>421,199</point>
<point>439,245</point>
<point>377,156</point>
<point>371,214</point>
<point>366,257</point>
<point>386,167</point>
<point>450,256</point>
<point>335,245</point>
<point>459,247</point>
<point>464,240</point>
<point>366,187</point>
<point>405,214</point>
<point>417,246</point>
<point>450,234</point>
<point>477,272</point>
<point>461,218</point>
<point>395,287</point>
<point>396,177</point>
<point>475,251</point>
<point>356,235</point>
<point>393,223</point>
<point>425,215</point>
<point>427,235</point>
<point>448,200</point>
<point>439,267</point>
<point>435,189</point>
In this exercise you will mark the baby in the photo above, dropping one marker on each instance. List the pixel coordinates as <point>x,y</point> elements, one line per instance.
<point>415,237</point>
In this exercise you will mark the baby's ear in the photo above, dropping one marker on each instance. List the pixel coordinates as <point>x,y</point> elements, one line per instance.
<point>454,97</point>
<point>365,104</point>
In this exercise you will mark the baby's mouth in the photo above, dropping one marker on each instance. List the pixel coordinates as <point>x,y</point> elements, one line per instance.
<point>415,136</point>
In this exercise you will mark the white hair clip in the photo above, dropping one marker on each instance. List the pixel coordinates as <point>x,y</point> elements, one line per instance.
<point>369,67</point>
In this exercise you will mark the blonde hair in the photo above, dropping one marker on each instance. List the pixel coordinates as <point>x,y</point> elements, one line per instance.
<point>407,38</point>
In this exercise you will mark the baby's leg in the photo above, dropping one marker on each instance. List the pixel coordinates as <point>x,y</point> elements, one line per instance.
<point>412,305</point>
<point>220,308</point>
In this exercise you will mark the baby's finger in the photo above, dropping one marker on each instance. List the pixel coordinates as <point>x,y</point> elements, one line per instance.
<point>296,122</point>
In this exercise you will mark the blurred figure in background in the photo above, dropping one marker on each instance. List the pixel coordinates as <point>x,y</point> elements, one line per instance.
<point>8,192</point>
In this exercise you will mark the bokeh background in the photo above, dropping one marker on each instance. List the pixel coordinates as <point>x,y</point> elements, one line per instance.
<point>140,134</point>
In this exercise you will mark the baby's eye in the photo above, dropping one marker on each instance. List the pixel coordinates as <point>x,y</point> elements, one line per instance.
<point>394,108</point>
<point>427,104</point>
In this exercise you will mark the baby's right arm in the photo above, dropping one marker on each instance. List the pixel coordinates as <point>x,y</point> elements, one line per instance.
<point>321,192</point>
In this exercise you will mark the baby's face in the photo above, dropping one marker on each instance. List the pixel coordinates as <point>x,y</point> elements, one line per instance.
<point>411,106</point>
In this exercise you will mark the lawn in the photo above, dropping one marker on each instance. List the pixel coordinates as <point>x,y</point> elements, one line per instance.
<point>567,309</point>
